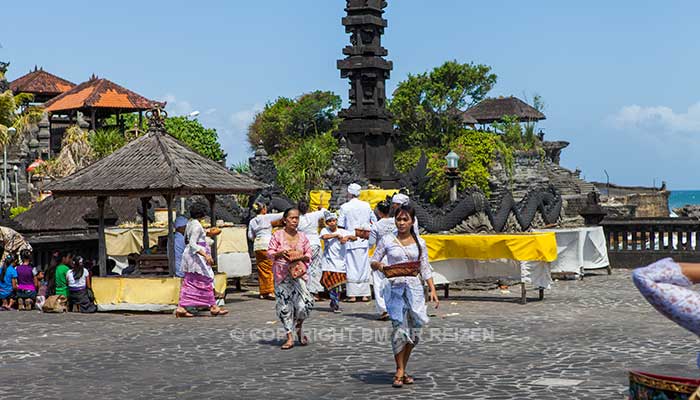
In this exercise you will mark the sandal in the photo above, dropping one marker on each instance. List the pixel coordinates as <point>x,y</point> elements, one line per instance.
<point>365,299</point>
<point>408,380</point>
<point>287,345</point>
<point>398,381</point>
<point>20,305</point>
<point>218,311</point>
<point>182,313</point>
<point>351,300</point>
<point>384,316</point>
<point>303,340</point>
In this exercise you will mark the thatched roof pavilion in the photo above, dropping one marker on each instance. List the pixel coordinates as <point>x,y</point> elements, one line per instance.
<point>100,98</point>
<point>493,110</point>
<point>41,84</point>
<point>155,164</point>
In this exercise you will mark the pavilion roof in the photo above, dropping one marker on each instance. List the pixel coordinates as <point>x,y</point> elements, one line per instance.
<point>494,109</point>
<point>154,164</point>
<point>41,82</point>
<point>100,93</point>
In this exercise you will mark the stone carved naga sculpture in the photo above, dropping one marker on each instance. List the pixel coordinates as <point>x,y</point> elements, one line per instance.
<point>545,202</point>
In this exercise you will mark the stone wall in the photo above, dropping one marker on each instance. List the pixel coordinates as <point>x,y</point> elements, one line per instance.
<point>645,204</point>
<point>532,170</point>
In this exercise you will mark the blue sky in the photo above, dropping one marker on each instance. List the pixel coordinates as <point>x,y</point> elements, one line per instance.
<point>619,78</point>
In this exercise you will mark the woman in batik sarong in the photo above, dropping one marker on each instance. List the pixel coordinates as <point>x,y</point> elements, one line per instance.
<point>308,223</point>
<point>260,232</point>
<point>333,263</point>
<point>403,295</point>
<point>197,288</point>
<point>290,249</point>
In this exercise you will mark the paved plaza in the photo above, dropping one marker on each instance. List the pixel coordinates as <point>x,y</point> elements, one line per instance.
<point>578,343</point>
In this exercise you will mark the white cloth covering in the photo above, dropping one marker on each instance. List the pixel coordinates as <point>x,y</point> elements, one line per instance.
<point>579,249</point>
<point>357,262</point>
<point>308,223</point>
<point>260,230</point>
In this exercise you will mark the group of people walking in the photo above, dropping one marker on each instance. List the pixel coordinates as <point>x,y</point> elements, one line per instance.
<point>291,261</point>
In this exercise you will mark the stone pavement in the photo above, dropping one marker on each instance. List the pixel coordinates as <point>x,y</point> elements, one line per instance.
<point>578,343</point>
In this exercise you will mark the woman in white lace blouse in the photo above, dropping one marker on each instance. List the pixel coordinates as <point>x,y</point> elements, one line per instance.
<point>405,301</point>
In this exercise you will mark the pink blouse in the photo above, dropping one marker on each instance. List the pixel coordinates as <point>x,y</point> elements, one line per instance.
<point>279,243</point>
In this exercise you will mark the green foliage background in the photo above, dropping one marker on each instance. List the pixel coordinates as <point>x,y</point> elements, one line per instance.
<point>300,168</point>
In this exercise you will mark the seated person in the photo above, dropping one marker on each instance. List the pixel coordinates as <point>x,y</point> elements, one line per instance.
<point>78,278</point>
<point>27,282</point>
<point>8,283</point>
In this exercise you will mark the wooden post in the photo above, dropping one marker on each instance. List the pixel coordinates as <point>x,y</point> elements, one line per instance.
<point>93,117</point>
<point>140,120</point>
<point>171,236</point>
<point>102,247</point>
<point>144,224</point>
<point>212,217</point>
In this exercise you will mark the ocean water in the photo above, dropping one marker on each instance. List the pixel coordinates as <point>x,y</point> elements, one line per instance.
<point>679,198</point>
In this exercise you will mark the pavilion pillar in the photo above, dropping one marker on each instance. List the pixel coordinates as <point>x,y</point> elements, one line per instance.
<point>144,218</point>
<point>101,244</point>
<point>212,217</point>
<point>171,236</point>
<point>140,120</point>
<point>93,117</point>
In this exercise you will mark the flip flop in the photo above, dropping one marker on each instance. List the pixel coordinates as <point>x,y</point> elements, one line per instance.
<point>398,381</point>
<point>408,380</point>
<point>287,346</point>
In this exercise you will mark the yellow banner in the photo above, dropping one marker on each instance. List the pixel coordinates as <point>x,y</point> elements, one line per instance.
<point>321,198</point>
<point>143,290</point>
<point>519,247</point>
<point>123,241</point>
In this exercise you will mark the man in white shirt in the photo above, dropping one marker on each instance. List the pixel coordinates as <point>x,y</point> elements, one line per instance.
<point>357,214</point>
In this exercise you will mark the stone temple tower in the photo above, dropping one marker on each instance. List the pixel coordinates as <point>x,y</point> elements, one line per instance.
<point>367,125</point>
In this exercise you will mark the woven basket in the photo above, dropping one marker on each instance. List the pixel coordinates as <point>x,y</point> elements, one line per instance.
<point>411,268</point>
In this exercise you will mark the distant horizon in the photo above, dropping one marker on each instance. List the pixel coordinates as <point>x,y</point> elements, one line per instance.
<point>614,76</point>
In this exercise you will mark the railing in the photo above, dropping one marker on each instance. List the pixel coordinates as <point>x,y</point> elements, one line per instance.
<point>634,242</point>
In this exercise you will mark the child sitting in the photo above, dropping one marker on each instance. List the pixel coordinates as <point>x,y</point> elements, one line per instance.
<point>27,282</point>
<point>8,283</point>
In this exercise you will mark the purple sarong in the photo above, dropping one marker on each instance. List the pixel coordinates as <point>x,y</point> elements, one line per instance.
<point>196,290</point>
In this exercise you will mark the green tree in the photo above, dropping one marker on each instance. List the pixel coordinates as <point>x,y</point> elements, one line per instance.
<point>300,168</point>
<point>105,141</point>
<point>204,141</point>
<point>284,122</point>
<point>427,106</point>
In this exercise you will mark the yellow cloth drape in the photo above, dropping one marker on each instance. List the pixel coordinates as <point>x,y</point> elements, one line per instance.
<point>125,241</point>
<point>146,290</point>
<point>519,247</point>
<point>321,198</point>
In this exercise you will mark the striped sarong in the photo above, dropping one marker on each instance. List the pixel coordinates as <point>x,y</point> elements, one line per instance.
<point>332,280</point>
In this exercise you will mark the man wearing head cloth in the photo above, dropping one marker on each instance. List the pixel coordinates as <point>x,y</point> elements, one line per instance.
<point>179,244</point>
<point>357,214</point>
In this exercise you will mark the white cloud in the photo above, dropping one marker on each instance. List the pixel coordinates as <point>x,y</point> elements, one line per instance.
<point>176,107</point>
<point>658,119</point>
<point>240,120</point>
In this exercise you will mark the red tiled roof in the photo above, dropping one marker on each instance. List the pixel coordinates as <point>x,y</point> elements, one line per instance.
<point>40,82</point>
<point>99,93</point>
